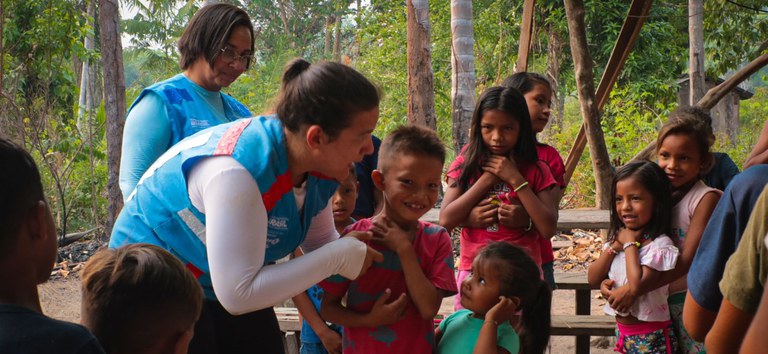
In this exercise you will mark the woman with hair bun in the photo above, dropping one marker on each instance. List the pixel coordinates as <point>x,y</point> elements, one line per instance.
<point>231,200</point>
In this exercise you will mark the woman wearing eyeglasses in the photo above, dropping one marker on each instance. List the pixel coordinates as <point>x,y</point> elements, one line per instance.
<point>216,48</point>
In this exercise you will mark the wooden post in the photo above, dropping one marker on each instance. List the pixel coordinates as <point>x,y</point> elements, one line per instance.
<point>582,61</point>
<point>696,51</point>
<point>421,93</point>
<point>526,32</point>
<point>638,11</point>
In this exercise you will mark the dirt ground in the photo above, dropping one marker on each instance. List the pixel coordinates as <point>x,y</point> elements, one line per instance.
<point>60,298</point>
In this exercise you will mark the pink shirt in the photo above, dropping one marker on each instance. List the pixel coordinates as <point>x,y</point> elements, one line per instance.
<point>412,334</point>
<point>472,239</point>
<point>552,158</point>
<point>661,255</point>
<point>682,213</point>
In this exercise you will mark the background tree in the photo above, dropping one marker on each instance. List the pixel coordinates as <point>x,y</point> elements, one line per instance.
<point>462,71</point>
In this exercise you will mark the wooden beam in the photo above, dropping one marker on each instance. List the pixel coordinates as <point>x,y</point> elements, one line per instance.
<point>714,95</point>
<point>526,32</point>
<point>630,30</point>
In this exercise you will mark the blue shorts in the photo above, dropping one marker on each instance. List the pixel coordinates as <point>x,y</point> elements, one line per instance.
<point>312,348</point>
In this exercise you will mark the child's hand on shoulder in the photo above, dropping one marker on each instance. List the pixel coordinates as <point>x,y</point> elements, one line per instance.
<point>391,235</point>
<point>505,168</point>
<point>503,311</point>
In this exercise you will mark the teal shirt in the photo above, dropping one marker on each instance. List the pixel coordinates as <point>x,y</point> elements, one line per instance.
<point>460,332</point>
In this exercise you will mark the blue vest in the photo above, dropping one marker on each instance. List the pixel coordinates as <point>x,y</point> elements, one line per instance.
<point>187,110</point>
<point>160,212</point>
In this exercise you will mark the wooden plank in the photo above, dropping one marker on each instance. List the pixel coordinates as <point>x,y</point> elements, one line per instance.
<point>556,245</point>
<point>583,219</point>
<point>526,31</point>
<point>569,218</point>
<point>570,325</point>
<point>572,281</point>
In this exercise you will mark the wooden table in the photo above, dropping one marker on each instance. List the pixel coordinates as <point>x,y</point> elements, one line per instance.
<point>578,282</point>
<point>569,218</point>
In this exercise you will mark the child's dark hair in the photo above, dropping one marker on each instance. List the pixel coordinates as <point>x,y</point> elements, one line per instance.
<point>510,101</point>
<point>520,277</point>
<point>137,295</point>
<point>410,139</point>
<point>525,81</point>
<point>694,123</point>
<point>208,32</point>
<point>326,94</point>
<point>655,181</point>
<point>20,190</point>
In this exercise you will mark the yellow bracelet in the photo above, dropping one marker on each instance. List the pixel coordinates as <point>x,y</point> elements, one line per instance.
<point>630,244</point>
<point>521,186</point>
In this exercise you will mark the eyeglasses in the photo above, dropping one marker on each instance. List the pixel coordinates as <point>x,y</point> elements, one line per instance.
<point>229,55</point>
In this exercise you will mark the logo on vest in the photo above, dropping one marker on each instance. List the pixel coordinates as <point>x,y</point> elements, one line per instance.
<point>199,123</point>
<point>277,227</point>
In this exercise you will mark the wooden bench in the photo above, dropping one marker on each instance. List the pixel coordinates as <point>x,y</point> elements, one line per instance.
<point>568,219</point>
<point>562,325</point>
<point>583,324</point>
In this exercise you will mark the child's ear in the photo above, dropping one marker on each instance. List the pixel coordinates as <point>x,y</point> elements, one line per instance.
<point>378,179</point>
<point>515,301</point>
<point>40,222</point>
<point>181,346</point>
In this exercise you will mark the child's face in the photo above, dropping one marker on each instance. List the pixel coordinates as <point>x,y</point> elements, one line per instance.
<point>634,203</point>
<point>500,131</point>
<point>344,199</point>
<point>680,159</point>
<point>410,183</point>
<point>539,103</point>
<point>480,290</point>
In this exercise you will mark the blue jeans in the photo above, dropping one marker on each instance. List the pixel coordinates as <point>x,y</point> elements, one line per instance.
<point>312,348</point>
<point>549,274</point>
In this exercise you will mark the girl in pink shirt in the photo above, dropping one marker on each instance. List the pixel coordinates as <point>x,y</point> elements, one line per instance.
<point>499,166</point>
<point>638,251</point>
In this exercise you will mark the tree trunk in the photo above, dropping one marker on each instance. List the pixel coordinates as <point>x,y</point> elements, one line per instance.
<point>463,71</point>
<point>421,94</point>
<point>554,50</point>
<point>696,55</point>
<point>114,102</point>
<point>337,40</point>
<point>582,61</point>
<point>328,35</point>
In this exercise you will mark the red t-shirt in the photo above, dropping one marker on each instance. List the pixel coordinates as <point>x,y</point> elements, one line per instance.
<point>472,239</point>
<point>412,334</point>
<point>551,157</point>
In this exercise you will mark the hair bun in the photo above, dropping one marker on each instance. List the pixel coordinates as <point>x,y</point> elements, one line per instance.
<point>294,68</point>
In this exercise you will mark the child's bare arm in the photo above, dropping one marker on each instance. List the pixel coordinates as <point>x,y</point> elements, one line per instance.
<point>424,295</point>
<point>488,337</point>
<point>598,270</point>
<point>457,203</point>
<point>381,313</point>
<point>329,337</point>
<point>699,221</point>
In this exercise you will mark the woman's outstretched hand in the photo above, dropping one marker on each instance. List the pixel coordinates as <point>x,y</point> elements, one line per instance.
<point>371,254</point>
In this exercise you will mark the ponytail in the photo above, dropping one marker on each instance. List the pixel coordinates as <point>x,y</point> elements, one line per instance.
<point>293,69</point>
<point>327,94</point>
<point>537,320</point>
